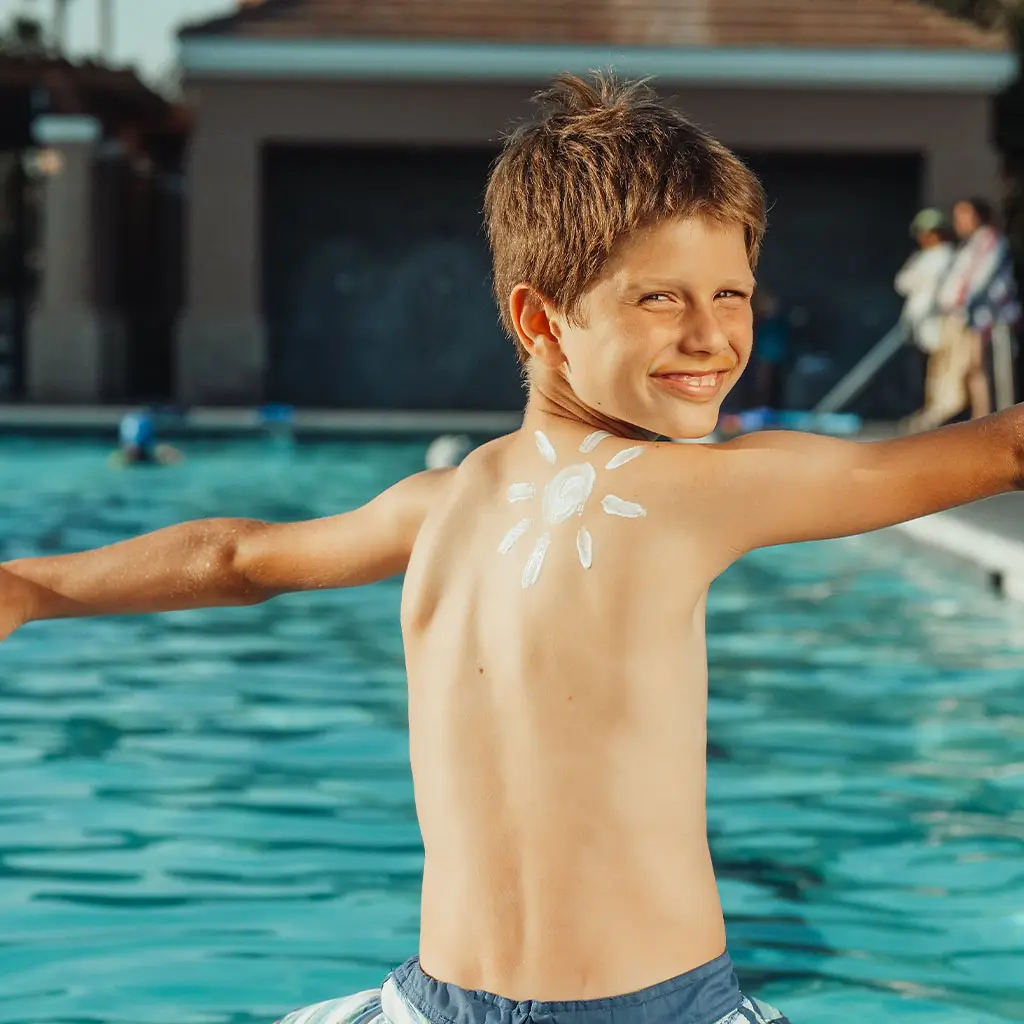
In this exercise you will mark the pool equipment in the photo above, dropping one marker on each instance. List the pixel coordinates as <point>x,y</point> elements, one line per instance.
<point>837,424</point>
<point>276,415</point>
<point>279,422</point>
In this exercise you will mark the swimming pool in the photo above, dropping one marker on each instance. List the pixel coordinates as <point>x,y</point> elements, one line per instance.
<point>207,818</point>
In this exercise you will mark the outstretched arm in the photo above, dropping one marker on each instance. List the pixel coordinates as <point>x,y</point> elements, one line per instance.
<point>780,487</point>
<point>217,562</point>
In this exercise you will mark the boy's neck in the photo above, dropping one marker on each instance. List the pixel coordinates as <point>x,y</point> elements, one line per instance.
<point>551,397</point>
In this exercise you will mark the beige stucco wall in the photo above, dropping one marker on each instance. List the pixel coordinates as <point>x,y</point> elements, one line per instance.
<point>76,345</point>
<point>222,340</point>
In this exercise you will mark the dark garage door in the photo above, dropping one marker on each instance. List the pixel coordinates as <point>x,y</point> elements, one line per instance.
<point>377,291</point>
<point>837,234</point>
<point>377,281</point>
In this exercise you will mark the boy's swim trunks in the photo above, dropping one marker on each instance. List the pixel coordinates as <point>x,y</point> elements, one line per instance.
<point>708,995</point>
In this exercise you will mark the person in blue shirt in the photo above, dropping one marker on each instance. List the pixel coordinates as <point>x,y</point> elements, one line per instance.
<point>771,348</point>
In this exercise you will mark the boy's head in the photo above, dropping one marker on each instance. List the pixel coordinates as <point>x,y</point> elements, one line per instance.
<point>624,241</point>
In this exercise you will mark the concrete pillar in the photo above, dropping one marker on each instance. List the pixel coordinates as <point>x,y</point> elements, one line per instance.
<point>75,349</point>
<point>221,347</point>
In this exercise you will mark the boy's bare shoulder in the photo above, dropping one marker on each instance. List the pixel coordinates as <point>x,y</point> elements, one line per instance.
<point>421,490</point>
<point>485,463</point>
<point>435,490</point>
<point>717,459</point>
<point>693,481</point>
<point>674,462</point>
<point>404,507</point>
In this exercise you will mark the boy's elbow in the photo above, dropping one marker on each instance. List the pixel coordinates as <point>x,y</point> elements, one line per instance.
<point>245,592</point>
<point>233,565</point>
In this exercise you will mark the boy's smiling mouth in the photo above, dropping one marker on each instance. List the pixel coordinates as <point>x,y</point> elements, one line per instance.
<point>704,385</point>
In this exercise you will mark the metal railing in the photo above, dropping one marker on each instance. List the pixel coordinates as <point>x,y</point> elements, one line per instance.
<point>864,371</point>
<point>1002,365</point>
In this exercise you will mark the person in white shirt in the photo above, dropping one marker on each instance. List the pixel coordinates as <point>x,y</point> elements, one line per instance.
<point>922,275</point>
<point>919,281</point>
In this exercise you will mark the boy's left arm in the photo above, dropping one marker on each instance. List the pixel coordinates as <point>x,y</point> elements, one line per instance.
<point>780,487</point>
<point>368,544</point>
<point>222,562</point>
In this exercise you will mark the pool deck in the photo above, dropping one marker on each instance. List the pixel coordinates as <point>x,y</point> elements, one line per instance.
<point>242,422</point>
<point>987,537</point>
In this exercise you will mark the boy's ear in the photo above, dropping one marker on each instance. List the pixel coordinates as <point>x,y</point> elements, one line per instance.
<point>537,329</point>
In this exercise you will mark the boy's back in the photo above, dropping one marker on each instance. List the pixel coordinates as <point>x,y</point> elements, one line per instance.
<point>557,729</point>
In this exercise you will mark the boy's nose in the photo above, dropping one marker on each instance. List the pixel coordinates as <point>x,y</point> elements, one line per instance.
<point>703,333</point>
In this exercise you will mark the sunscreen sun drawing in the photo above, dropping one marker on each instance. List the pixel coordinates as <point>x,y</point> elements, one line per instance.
<point>565,496</point>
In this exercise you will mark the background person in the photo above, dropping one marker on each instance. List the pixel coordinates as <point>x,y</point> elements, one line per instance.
<point>992,307</point>
<point>977,293</point>
<point>771,348</point>
<point>922,275</point>
<point>138,443</point>
<point>919,281</point>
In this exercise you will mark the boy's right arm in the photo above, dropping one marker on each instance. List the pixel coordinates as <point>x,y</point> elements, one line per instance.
<point>781,487</point>
<point>220,562</point>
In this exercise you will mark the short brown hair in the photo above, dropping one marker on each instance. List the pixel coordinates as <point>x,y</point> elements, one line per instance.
<point>604,158</point>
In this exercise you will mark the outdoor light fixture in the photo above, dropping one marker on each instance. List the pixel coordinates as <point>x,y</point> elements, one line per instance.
<point>45,163</point>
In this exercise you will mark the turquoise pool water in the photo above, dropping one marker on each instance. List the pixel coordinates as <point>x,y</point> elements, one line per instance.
<point>207,818</point>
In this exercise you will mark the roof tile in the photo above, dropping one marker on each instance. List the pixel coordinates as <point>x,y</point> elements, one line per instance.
<point>892,24</point>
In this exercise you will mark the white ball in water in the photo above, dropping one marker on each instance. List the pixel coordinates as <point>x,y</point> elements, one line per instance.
<point>447,451</point>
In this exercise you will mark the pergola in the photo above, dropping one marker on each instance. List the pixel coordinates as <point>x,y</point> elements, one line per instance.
<point>31,86</point>
<point>39,93</point>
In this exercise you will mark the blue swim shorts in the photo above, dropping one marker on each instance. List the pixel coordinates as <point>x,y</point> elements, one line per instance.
<point>707,995</point>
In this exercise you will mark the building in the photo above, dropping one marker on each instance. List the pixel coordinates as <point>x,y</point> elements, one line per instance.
<point>335,253</point>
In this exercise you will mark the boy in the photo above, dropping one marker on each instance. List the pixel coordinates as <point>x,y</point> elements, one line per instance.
<point>553,607</point>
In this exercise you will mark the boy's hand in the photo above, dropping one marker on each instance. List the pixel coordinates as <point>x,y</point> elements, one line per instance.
<point>17,599</point>
<point>781,487</point>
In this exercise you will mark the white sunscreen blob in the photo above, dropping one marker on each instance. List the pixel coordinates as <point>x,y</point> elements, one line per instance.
<point>545,447</point>
<point>626,455</point>
<point>520,492</point>
<point>585,547</point>
<point>591,441</point>
<point>535,562</point>
<point>567,493</point>
<point>513,535</point>
<point>616,506</point>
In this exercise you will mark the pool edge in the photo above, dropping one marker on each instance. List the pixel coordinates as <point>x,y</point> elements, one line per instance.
<point>1000,558</point>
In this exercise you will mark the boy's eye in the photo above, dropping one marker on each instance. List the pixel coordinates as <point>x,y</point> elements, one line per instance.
<point>655,297</point>
<point>730,293</point>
